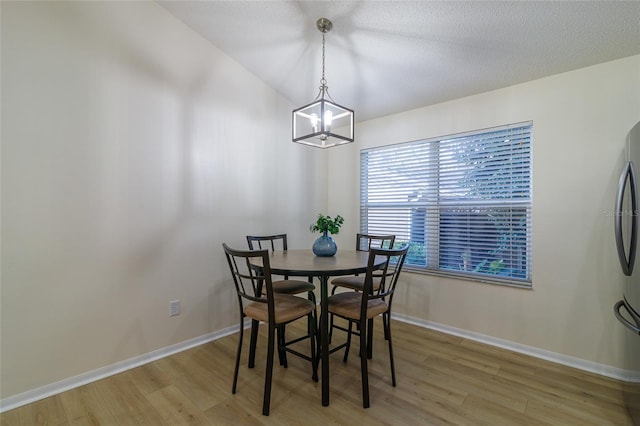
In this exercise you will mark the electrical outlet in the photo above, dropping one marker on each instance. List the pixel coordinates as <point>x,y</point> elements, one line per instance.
<point>174,308</point>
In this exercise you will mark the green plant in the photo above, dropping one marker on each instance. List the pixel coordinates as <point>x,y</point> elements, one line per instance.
<point>326,224</point>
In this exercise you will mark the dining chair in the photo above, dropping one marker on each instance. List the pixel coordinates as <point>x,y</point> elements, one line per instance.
<point>286,286</point>
<point>362,307</point>
<point>258,301</point>
<point>364,242</point>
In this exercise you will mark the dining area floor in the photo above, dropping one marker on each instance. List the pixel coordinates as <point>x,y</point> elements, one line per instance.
<point>441,379</point>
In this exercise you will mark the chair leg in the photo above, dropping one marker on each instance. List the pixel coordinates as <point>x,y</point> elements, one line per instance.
<point>238,353</point>
<point>312,338</point>
<point>312,297</point>
<point>333,291</point>
<point>253,342</point>
<point>370,339</point>
<point>318,349</point>
<point>393,367</point>
<point>348,346</point>
<point>363,364</point>
<point>269,373</point>
<point>282,354</point>
<point>330,327</point>
<point>385,324</point>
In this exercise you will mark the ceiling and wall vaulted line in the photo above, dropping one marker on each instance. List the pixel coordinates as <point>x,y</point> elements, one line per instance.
<point>390,56</point>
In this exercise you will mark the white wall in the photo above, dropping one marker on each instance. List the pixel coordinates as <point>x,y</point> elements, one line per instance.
<point>131,149</point>
<point>580,120</point>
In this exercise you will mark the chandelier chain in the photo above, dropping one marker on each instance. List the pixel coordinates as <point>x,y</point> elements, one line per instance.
<point>323,81</point>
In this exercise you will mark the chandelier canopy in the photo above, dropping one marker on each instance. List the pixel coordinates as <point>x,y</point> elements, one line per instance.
<point>323,123</point>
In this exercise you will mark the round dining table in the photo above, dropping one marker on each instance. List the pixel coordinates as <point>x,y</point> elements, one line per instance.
<point>304,263</point>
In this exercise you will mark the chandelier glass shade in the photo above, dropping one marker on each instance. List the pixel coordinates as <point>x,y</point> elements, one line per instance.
<point>323,123</point>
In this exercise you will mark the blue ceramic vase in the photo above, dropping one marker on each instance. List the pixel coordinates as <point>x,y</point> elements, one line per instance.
<point>325,246</point>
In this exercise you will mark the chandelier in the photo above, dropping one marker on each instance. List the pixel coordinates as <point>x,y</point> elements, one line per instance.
<point>323,123</point>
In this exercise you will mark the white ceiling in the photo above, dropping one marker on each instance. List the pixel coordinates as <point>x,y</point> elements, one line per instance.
<point>384,57</point>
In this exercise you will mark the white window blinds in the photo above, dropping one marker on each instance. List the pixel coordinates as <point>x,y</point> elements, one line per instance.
<point>462,202</point>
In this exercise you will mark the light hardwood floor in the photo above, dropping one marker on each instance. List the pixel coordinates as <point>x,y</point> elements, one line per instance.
<point>442,379</point>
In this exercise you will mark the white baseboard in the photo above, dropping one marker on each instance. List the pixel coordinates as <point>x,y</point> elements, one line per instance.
<point>590,366</point>
<point>42,392</point>
<point>45,391</point>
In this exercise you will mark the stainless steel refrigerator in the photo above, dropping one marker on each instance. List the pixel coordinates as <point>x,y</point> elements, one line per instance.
<point>627,228</point>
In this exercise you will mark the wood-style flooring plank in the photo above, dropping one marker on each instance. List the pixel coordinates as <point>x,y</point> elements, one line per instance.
<point>441,380</point>
<point>48,411</point>
<point>175,408</point>
<point>85,405</point>
<point>128,406</point>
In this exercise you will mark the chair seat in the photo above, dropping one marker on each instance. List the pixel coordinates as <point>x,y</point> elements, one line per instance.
<point>348,305</point>
<point>287,308</point>
<point>354,283</point>
<point>291,287</point>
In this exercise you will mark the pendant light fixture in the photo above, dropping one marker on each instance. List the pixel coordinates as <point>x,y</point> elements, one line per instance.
<point>323,123</point>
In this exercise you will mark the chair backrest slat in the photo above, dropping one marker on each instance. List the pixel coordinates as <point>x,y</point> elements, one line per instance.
<point>261,242</point>
<point>388,274</point>
<point>250,280</point>
<point>365,242</point>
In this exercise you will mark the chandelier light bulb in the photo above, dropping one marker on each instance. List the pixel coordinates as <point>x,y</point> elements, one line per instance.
<point>328,118</point>
<point>313,118</point>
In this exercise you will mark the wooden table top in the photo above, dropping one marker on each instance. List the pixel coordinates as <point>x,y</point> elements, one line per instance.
<point>305,263</point>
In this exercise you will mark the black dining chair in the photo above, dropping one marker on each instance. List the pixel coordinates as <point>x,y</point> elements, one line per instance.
<point>258,300</point>
<point>364,242</point>
<point>362,307</point>
<point>285,285</point>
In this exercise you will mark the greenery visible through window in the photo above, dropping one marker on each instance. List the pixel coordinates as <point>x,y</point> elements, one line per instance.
<point>462,202</point>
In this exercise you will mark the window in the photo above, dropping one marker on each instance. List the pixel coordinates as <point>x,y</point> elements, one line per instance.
<point>462,202</point>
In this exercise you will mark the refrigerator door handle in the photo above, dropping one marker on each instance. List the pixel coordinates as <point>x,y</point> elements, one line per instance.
<point>616,310</point>
<point>627,263</point>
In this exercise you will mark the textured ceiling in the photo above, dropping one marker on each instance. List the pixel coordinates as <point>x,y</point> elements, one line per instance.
<point>384,57</point>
